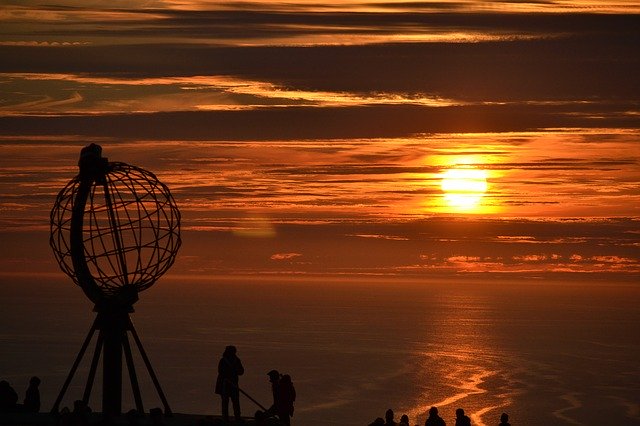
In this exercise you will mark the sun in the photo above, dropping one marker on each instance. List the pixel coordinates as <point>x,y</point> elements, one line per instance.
<point>464,188</point>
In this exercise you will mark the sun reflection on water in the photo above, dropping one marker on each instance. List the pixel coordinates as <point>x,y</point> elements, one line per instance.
<point>465,359</point>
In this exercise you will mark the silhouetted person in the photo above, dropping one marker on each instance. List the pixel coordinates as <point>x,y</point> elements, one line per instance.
<point>155,414</point>
<point>229,369</point>
<point>286,398</point>
<point>274,379</point>
<point>388,418</point>
<point>64,418</point>
<point>260,418</point>
<point>80,414</point>
<point>32,396</point>
<point>284,395</point>
<point>434,419</point>
<point>504,420</point>
<point>133,417</point>
<point>8,397</point>
<point>377,422</point>
<point>404,420</point>
<point>461,418</point>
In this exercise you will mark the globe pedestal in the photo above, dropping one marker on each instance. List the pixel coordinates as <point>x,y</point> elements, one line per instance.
<point>114,334</point>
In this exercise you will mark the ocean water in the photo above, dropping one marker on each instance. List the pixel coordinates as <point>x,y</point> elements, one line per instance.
<point>547,353</point>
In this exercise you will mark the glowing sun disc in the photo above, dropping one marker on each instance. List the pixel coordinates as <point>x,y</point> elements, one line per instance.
<point>464,188</point>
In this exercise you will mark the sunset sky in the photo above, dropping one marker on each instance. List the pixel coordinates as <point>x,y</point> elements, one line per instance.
<point>392,139</point>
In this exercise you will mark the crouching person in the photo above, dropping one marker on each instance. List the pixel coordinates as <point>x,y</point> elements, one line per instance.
<point>284,395</point>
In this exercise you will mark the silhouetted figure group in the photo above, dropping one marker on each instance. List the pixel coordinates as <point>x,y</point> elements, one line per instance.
<point>79,416</point>
<point>389,419</point>
<point>9,398</point>
<point>433,419</point>
<point>230,368</point>
<point>82,415</point>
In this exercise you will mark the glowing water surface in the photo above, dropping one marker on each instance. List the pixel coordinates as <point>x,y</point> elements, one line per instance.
<point>549,353</point>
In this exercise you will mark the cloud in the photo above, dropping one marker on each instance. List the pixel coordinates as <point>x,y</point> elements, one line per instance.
<point>161,94</point>
<point>285,256</point>
<point>43,104</point>
<point>380,236</point>
<point>614,259</point>
<point>531,258</point>
<point>33,43</point>
<point>462,259</point>
<point>582,66</point>
<point>386,121</point>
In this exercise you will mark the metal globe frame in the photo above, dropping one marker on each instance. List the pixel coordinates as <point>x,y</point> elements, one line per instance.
<point>115,229</point>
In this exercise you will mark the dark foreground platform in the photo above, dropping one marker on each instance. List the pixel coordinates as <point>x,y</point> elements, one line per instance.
<point>96,419</point>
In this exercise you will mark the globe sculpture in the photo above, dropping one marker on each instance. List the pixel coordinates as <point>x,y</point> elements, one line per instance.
<point>115,229</point>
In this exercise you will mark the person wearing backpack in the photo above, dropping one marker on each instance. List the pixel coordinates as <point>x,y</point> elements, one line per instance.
<point>284,395</point>
<point>286,398</point>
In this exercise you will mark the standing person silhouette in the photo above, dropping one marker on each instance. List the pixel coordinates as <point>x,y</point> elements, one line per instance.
<point>504,420</point>
<point>461,418</point>
<point>32,397</point>
<point>274,379</point>
<point>286,398</point>
<point>8,397</point>
<point>434,419</point>
<point>388,418</point>
<point>229,369</point>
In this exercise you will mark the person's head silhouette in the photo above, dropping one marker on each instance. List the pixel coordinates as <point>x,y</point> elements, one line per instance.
<point>389,416</point>
<point>274,376</point>
<point>433,411</point>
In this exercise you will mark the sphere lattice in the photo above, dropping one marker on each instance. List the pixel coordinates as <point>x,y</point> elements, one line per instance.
<point>130,229</point>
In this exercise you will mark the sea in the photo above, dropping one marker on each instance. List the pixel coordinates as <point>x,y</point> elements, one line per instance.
<point>545,352</point>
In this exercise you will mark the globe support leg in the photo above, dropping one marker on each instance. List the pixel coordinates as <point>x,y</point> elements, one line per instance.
<point>154,378</point>
<point>132,374</point>
<point>74,367</point>
<point>93,369</point>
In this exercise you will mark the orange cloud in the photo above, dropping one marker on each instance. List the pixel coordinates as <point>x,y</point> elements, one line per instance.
<point>285,256</point>
<point>530,258</point>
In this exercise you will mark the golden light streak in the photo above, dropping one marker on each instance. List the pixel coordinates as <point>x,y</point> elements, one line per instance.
<point>384,6</point>
<point>217,92</point>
